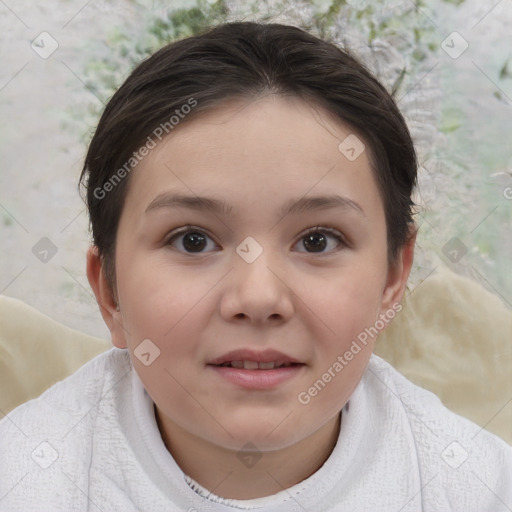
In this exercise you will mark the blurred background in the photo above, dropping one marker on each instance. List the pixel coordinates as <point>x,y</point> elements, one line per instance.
<point>447,63</point>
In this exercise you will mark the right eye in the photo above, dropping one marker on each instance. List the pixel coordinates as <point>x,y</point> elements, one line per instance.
<point>193,240</point>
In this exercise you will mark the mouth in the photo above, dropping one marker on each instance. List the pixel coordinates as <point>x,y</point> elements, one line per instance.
<point>250,359</point>
<point>255,365</point>
<point>256,370</point>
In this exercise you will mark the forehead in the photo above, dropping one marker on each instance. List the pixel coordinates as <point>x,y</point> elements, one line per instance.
<point>254,152</point>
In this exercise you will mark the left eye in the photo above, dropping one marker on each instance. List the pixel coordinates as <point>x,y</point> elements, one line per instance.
<point>316,239</point>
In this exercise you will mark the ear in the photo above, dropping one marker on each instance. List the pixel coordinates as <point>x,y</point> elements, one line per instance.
<point>105,298</point>
<point>398,272</point>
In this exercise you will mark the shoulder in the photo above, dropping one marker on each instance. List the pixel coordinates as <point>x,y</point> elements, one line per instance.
<point>460,463</point>
<point>76,393</point>
<point>59,424</point>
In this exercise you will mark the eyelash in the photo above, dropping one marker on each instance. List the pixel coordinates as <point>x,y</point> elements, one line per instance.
<point>324,230</point>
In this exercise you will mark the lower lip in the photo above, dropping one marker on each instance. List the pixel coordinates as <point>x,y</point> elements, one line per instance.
<point>257,379</point>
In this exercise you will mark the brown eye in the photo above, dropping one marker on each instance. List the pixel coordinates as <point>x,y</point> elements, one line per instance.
<point>316,240</point>
<point>192,240</point>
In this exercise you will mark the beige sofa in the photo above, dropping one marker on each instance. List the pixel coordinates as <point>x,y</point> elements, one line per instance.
<point>452,337</point>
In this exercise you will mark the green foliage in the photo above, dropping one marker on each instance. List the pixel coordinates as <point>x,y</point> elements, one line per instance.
<point>406,29</point>
<point>505,72</point>
<point>452,119</point>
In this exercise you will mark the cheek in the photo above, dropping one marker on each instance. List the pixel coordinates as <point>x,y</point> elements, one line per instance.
<point>345,304</point>
<point>342,347</point>
<point>158,298</point>
<point>166,307</point>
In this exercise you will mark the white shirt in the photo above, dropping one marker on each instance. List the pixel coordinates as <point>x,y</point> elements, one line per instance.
<point>91,442</point>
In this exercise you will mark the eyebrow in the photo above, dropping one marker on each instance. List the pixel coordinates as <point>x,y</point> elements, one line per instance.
<point>292,206</point>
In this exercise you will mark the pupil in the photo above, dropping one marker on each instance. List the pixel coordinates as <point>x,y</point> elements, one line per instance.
<point>316,241</point>
<point>193,241</point>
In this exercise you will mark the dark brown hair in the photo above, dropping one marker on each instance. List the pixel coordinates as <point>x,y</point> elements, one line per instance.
<point>244,60</point>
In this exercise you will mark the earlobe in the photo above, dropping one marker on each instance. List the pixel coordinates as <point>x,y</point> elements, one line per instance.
<point>398,272</point>
<point>105,297</point>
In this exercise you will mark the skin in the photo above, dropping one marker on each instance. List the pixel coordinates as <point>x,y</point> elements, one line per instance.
<point>195,306</point>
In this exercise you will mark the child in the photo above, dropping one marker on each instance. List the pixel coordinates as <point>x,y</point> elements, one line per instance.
<point>249,195</point>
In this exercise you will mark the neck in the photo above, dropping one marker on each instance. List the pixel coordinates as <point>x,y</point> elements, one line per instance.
<point>242,476</point>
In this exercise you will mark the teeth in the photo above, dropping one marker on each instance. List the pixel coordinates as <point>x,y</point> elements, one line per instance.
<point>255,365</point>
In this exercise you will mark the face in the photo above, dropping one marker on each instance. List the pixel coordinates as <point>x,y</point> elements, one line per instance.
<point>276,272</point>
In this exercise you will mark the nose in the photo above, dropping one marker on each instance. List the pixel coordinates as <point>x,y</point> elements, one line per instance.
<point>257,292</point>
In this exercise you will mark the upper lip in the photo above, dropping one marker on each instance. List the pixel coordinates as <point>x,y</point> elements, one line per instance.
<point>261,356</point>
